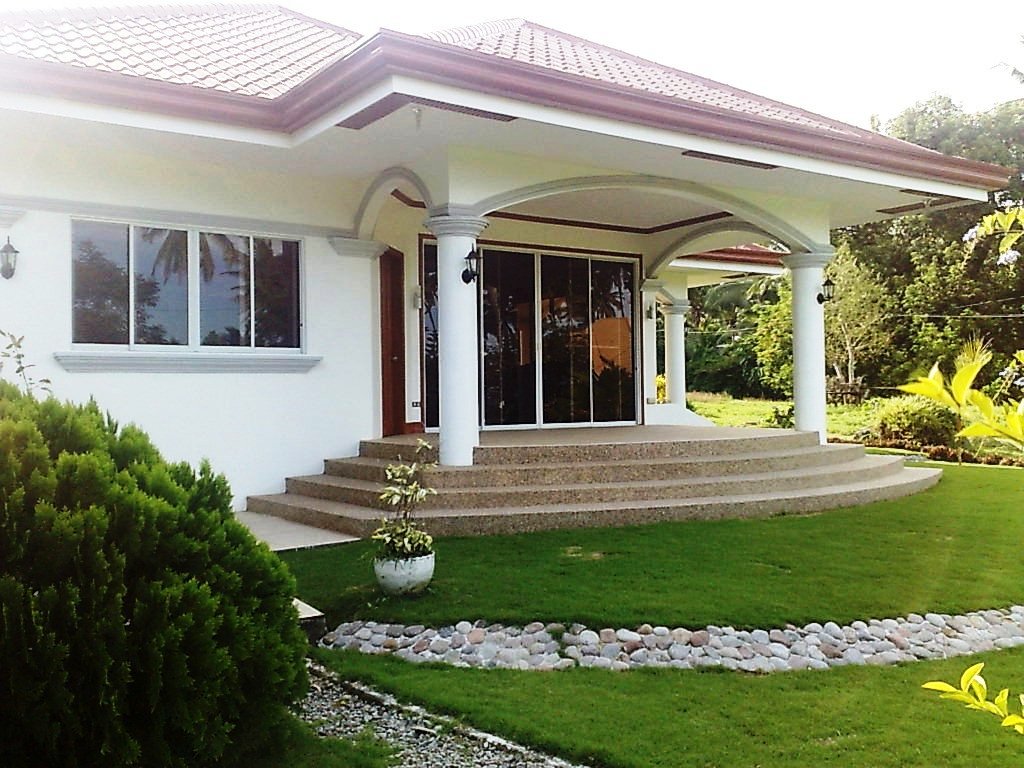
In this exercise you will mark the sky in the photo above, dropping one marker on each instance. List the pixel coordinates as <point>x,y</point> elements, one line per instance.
<point>846,60</point>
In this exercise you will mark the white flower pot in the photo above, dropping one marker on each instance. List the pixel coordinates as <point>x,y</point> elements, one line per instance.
<point>404,577</point>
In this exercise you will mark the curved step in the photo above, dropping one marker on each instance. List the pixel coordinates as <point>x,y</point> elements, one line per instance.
<point>601,443</point>
<point>624,470</point>
<point>366,493</point>
<point>361,521</point>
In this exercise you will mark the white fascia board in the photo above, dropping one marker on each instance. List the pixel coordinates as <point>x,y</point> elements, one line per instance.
<point>204,128</point>
<point>99,113</point>
<point>663,137</point>
<point>725,266</point>
<point>351,107</point>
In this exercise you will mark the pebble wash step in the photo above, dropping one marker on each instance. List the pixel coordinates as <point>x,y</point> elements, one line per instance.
<point>609,476</point>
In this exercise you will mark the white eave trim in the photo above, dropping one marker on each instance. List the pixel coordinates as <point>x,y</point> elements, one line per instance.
<point>706,265</point>
<point>130,361</point>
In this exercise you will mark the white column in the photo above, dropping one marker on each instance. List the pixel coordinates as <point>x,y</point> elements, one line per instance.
<point>457,338</point>
<point>807,270</point>
<point>649,292</point>
<point>675,350</point>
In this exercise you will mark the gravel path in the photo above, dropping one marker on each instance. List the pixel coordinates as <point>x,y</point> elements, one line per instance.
<point>546,647</point>
<point>425,740</point>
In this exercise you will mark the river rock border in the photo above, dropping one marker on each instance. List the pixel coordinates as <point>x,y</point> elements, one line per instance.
<point>540,646</point>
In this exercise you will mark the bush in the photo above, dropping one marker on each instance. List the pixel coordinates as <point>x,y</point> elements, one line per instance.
<point>916,420</point>
<point>140,624</point>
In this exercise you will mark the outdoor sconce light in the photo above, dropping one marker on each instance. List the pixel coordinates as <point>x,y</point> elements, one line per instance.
<point>472,270</point>
<point>828,290</point>
<point>8,260</point>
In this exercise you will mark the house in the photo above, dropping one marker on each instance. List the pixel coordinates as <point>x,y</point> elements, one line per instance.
<point>264,237</point>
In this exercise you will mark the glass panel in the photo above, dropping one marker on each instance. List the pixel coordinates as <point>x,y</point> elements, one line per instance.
<point>430,371</point>
<point>565,339</point>
<point>611,339</point>
<point>276,289</point>
<point>224,293</point>
<point>100,276</point>
<point>510,378</point>
<point>161,286</point>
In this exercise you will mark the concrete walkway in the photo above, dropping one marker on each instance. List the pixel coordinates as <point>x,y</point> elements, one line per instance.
<point>284,534</point>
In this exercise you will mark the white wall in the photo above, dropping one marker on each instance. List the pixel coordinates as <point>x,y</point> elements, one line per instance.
<point>257,428</point>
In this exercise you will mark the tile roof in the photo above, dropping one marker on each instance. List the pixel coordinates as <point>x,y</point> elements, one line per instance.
<point>529,43</point>
<point>249,50</point>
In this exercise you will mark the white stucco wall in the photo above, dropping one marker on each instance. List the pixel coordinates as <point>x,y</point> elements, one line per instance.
<point>255,427</point>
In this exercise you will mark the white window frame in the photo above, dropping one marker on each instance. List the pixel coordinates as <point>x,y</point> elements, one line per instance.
<point>193,356</point>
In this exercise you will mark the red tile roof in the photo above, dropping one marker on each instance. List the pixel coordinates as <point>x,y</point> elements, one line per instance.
<point>248,50</point>
<point>528,43</point>
<point>271,68</point>
<point>741,254</point>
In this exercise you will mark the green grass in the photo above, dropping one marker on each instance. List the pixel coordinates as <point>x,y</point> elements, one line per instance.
<point>865,717</point>
<point>955,547</point>
<point>844,421</point>
<point>302,748</point>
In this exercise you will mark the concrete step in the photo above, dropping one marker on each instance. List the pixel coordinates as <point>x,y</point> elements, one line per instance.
<point>366,493</point>
<point>625,470</point>
<point>349,519</point>
<point>700,441</point>
<point>360,521</point>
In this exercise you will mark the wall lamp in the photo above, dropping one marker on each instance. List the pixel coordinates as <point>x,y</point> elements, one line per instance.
<point>472,270</point>
<point>8,260</point>
<point>828,291</point>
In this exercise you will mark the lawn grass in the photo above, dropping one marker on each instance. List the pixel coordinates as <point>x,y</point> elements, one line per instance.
<point>954,548</point>
<point>866,717</point>
<point>844,421</point>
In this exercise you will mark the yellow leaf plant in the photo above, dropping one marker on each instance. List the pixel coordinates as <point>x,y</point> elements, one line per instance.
<point>973,694</point>
<point>983,416</point>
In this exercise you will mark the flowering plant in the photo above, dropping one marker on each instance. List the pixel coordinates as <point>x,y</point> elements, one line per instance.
<point>1009,224</point>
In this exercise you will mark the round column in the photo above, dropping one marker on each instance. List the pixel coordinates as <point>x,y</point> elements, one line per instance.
<point>675,351</point>
<point>807,270</point>
<point>649,326</point>
<point>457,339</point>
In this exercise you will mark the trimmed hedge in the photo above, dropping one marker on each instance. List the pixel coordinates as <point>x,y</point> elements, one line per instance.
<point>140,624</point>
<point>915,419</point>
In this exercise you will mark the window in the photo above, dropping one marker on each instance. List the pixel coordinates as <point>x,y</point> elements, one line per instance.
<point>153,286</point>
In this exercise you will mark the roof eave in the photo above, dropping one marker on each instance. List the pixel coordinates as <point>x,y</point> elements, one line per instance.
<point>393,53</point>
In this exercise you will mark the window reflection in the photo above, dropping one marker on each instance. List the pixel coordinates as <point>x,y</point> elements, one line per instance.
<point>224,304</point>
<point>161,286</point>
<point>100,276</point>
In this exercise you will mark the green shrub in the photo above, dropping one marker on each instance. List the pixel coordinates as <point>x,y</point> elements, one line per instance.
<point>916,420</point>
<point>140,624</point>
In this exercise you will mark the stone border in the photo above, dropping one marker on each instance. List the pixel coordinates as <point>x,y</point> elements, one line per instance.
<point>540,646</point>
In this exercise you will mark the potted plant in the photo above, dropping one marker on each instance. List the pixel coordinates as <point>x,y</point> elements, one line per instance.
<point>405,560</point>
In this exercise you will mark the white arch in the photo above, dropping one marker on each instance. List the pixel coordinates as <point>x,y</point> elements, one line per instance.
<point>751,217</point>
<point>377,194</point>
<point>691,236</point>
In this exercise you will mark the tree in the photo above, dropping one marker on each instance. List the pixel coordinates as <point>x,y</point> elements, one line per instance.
<point>858,320</point>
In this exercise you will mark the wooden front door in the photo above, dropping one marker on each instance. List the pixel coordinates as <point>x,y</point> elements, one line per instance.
<point>392,341</point>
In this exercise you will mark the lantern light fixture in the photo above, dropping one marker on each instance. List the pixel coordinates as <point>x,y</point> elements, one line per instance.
<point>8,260</point>
<point>472,270</point>
<point>828,291</point>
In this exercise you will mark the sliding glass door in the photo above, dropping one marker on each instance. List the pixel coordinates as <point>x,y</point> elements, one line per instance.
<point>556,339</point>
